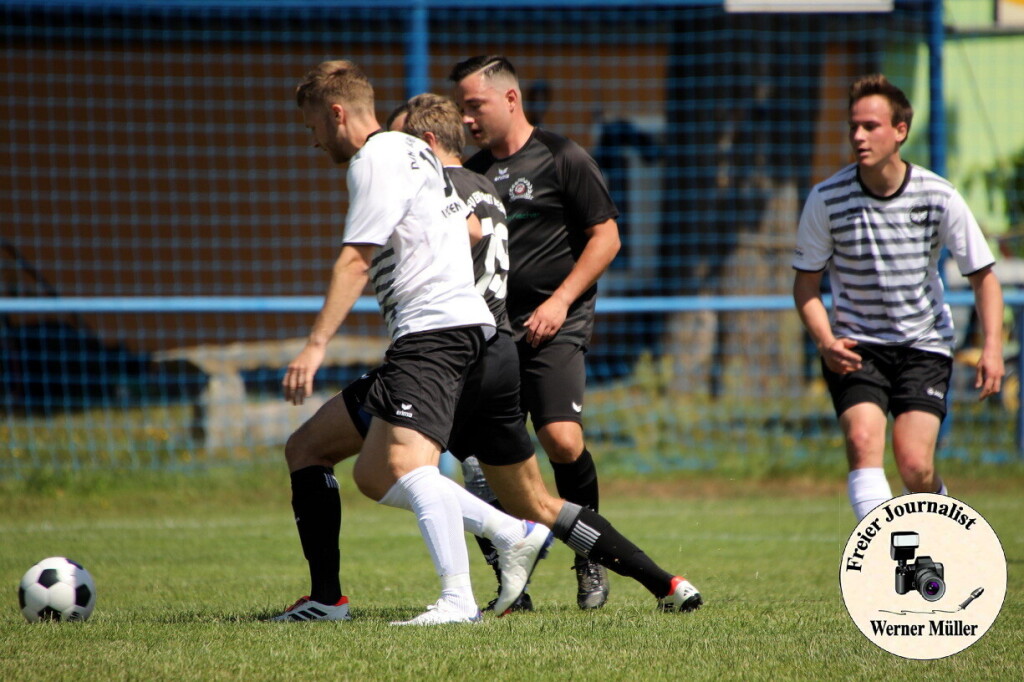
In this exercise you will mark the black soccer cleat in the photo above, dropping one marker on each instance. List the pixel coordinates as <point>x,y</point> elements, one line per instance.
<point>592,584</point>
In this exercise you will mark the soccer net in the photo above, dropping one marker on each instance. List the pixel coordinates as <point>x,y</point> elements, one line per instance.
<point>154,154</point>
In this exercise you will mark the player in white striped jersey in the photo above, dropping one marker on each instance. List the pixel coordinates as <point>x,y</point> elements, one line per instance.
<point>879,226</point>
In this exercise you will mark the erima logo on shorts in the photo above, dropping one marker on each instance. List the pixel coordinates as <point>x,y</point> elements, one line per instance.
<point>405,411</point>
<point>935,393</point>
<point>576,406</point>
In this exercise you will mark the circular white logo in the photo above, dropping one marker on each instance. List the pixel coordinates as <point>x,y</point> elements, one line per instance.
<point>520,189</point>
<point>923,576</point>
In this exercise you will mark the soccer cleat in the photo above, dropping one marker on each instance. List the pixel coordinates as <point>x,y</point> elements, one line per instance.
<point>591,584</point>
<point>682,596</point>
<point>441,613</point>
<point>524,603</point>
<point>517,564</point>
<point>305,609</point>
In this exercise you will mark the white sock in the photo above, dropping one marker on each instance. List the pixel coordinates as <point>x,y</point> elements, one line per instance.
<point>867,488</point>
<point>483,520</point>
<point>424,492</point>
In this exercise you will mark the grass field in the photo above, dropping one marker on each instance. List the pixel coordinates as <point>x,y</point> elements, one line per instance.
<point>186,567</point>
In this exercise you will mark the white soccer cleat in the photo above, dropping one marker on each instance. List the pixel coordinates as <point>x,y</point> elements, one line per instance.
<point>683,597</point>
<point>305,609</point>
<point>442,613</point>
<point>517,564</point>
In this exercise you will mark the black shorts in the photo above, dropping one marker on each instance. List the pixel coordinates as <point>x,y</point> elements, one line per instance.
<point>488,423</point>
<point>896,378</point>
<point>553,379</point>
<point>419,383</point>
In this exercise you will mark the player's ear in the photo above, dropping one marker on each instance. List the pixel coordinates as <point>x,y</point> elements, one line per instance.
<point>902,129</point>
<point>512,99</point>
<point>338,113</point>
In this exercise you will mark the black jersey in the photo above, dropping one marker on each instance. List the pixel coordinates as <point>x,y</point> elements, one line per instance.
<point>553,191</point>
<point>490,254</point>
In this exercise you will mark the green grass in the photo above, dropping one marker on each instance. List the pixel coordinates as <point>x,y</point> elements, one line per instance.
<point>187,566</point>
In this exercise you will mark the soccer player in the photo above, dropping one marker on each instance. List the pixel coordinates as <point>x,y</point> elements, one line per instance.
<point>406,232</point>
<point>489,421</point>
<point>879,225</point>
<point>562,237</point>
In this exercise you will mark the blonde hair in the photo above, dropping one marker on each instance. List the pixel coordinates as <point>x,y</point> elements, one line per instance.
<point>337,81</point>
<point>430,113</point>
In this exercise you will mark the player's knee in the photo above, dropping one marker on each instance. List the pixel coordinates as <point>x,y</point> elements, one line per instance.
<point>861,441</point>
<point>562,445</point>
<point>915,468</point>
<point>299,454</point>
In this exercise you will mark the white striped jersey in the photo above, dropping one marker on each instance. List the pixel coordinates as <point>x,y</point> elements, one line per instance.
<point>883,255</point>
<point>400,199</point>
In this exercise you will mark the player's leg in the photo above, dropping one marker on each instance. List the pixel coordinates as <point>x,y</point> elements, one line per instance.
<point>488,418</point>
<point>521,488</point>
<point>919,406</point>
<point>328,437</point>
<point>413,400</point>
<point>861,402</point>
<point>398,467</point>
<point>914,437</point>
<point>864,427</point>
<point>553,385</point>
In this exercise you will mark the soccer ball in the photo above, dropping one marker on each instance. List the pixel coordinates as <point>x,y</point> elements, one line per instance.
<point>56,589</point>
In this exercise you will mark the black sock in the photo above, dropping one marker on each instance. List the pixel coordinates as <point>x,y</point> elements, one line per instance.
<point>593,536</point>
<point>577,481</point>
<point>317,506</point>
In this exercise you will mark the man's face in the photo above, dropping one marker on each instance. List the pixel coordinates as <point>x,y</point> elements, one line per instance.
<point>326,123</point>
<point>873,137</point>
<point>485,110</point>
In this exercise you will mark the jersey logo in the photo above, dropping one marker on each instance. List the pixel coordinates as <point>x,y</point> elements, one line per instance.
<point>502,174</point>
<point>576,406</point>
<point>406,410</point>
<point>520,189</point>
<point>919,214</point>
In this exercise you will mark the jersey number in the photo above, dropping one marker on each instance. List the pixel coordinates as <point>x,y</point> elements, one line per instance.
<point>495,276</point>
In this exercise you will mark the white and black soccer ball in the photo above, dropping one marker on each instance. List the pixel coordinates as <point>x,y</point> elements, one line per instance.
<point>56,588</point>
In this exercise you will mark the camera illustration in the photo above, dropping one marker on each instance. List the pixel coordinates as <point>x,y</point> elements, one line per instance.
<point>923,575</point>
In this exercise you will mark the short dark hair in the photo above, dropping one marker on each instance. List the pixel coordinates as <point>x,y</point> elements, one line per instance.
<point>877,84</point>
<point>491,65</point>
<point>402,108</point>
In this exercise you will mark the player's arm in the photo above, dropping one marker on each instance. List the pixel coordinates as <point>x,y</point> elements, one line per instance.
<point>988,300</point>
<point>476,229</point>
<point>348,279</point>
<point>835,351</point>
<point>602,245</point>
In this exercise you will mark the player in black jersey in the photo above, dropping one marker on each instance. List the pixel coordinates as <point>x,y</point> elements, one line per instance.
<point>489,422</point>
<point>562,237</point>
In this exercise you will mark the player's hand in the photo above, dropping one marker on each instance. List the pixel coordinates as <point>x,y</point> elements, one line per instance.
<point>990,372</point>
<point>544,322</point>
<point>298,380</point>
<point>839,358</point>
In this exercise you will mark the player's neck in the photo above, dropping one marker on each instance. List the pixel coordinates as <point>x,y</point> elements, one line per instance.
<point>885,179</point>
<point>447,158</point>
<point>516,139</point>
